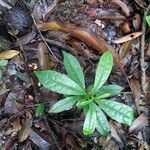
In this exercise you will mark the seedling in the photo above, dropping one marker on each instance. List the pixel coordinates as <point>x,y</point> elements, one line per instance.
<point>39,109</point>
<point>93,100</point>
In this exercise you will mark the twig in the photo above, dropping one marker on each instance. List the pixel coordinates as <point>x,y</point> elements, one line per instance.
<point>142,53</point>
<point>44,40</point>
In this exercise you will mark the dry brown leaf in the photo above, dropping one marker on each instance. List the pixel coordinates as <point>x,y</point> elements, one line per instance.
<point>26,39</point>
<point>138,124</point>
<point>82,34</point>
<point>8,54</point>
<point>43,57</point>
<point>113,130</point>
<point>26,128</point>
<point>136,90</point>
<point>39,141</point>
<point>128,37</point>
<point>125,27</point>
<point>123,6</point>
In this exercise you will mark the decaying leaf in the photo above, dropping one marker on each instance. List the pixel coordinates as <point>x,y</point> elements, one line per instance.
<point>123,6</point>
<point>39,141</point>
<point>52,25</point>
<point>139,123</point>
<point>84,35</point>
<point>10,106</point>
<point>26,128</point>
<point>114,134</point>
<point>125,49</point>
<point>43,57</point>
<point>8,54</point>
<point>136,90</point>
<point>128,37</point>
<point>25,39</point>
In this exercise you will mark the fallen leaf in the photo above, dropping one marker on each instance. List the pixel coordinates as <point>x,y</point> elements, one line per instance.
<point>125,27</point>
<point>52,25</point>
<point>26,39</point>
<point>139,123</point>
<point>123,6</point>
<point>84,35</point>
<point>128,37</point>
<point>8,54</point>
<point>39,141</point>
<point>136,90</point>
<point>26,128</point>
<point>10,106</point>
<point>113,130</point>
<point>124,49</point>
<point>43,57</point>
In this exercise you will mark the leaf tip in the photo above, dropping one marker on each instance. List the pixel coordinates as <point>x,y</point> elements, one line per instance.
<point>87,132</point>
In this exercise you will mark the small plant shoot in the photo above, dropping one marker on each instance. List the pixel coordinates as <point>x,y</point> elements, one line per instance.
<point>94,100</point>
<point>39,109</point>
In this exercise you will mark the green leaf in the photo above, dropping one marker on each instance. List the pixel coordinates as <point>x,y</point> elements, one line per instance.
<point>103,70</point>
<point>64,104</point>
<point>3,63</point>
<point>85,109</point>
<point>73,69</point>
<point>117,111</point>
<point>102,96</point>
<point>84,102</point>
<point>39,109</point>
<point>148,20</point>
<point>90,121</point>
<point>112,89</point>
<point>59,83</point>
<point>102,124</point>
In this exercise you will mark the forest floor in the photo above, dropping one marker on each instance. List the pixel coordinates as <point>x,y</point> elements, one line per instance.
<point>33,35</point>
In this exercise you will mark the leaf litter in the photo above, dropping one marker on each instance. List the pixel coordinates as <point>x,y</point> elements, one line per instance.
<point>88,28</point>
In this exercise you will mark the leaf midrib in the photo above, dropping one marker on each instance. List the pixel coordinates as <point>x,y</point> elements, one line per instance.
<point>117,111</point>
<point>60,83</point>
